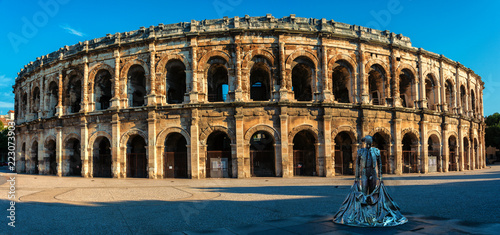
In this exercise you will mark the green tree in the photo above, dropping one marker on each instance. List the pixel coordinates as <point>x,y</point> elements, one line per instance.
<point>492,134</point>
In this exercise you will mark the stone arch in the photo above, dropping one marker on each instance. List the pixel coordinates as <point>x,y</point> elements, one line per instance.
<point>268,55</point>
<point>412,131</point>
<point>304,127</point>
<point>127,65</point>
<point>160,138</point>
<point>96,135</point>
<point>262,127</point>
<point>348,129</point>
<point>305,53</point>
<point>381,63</point>
<point>409,67</point>
<point>96,68</point>
<point>435,79</point>
<point>32,141</point>
<point>126,136</point>
<point>49,138</point>
<point>385,131</point>
<point>202,63</point>
<point>436,133</point>
<point>71,136</point>
<point>452,133</point>
<point>160,66</point>
<point>352,62</point>
<point>205,133</point>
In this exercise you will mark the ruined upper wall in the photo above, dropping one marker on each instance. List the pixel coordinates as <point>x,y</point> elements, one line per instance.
<point>290,24</point>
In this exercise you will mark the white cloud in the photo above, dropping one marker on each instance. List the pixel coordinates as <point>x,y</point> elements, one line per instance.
<point>6,105</point>
<point>6,81</point>
<point>71,30</point>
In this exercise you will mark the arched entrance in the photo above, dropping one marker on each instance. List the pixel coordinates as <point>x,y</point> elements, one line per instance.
<point>380,141</point>
<point>175,163</point>
<point>101,159</point>
<point>304,154</point>
<point>344,163</point>
<point>34,154</point>
<point>23,159</point>
<point>434,154</point>
<point>219,161</point>
<point>476,154</point>
<point>136,157</point>
<point>50,157</point>
<point>262,160</point>
<point>453,156</point>
<point>410,158</point>
<point>466,154</point>
<point>73,156</point>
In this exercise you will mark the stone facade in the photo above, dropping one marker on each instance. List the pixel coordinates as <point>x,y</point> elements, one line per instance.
<point>243,97</point>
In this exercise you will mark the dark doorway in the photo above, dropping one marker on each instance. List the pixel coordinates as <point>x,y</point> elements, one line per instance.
<point>176,82</point>
<point>433,152</point>
<point>51,157</point>
<point>304,154</point>
<point>102,158</point>
<point>219,161</point>
<point>344,163</point>
<point>466,154</point>
<point>217,79</point>
<point>75,161</point>
<point>260,80</point>
<point>410,158</point>
<point>341,79</point>
<point>136,86</point>
<point>175,162</point>
<point>453,156</point>
<point>102,89</point>
<point>136,157</point>
<point>381,143</point>
<point>34,153</point>
<point>262,158</point>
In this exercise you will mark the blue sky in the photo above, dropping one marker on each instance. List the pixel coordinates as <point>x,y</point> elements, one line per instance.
<point>464,31</point>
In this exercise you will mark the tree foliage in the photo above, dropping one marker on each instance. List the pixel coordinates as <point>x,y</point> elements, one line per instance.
<point>492,134</point>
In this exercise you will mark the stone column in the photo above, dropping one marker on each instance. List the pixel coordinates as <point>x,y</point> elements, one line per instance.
<point>84,148</point>
<point>328,145</point>
<point>152,158</point>
<point>116,165</point>
<point>193,94</point>
<point>115,101</point>
<point>59,108</point>
<point>327,93</point>
<point>424,156</point>
<point>458,104</point>
<point>238,93</point>
<point>442,81</point>
<point>320,160</point>
<point>243,170</point>
<point>195,146</point>
<point>395,79</point>
<point>460,146</point>
<point>284,96</point>
<point>363,78</point>
<point>85,101</point>
<point>287,159</point>
<point>59,151</point>
<point>420,95</point>
<point>41,154</point>
<point>398,156</point>
<point>42,93</point>
<point>151,97</point>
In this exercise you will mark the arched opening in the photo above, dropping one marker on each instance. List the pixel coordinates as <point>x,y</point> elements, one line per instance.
<point>74,157</point>
<point>449,95</point>
<point>466,155</point>
<point>219,161</point>
<point>217,79</point>
<point>434,154</point>
<point>260,82</point>
<point>34,158</point>
<point>176,81</point>
<point>24,105</point>
<point>102,89</point>
<point>302,79</point>
<point>23,158</point>
<point>410,158</point>
<point>376,84</point>
<point>50,157</point>
<point>74,94</point>
<point>136,86</point>
<point>175,162</point>
<point>463,99</point>
<point>381,141</point>
<point>344,162</point>
<point>406,83</point>
<point>476,154</point>
<point>36,101</point>
<point>101,159</point>
<point>52,98</point>
<point>452,154</point>
<point>304,154</point>
<point>341,81</point>
<point>262,157</point>
<point>137,162</point>
<point>430,92</point>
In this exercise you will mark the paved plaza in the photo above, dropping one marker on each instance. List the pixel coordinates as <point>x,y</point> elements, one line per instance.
<point>455,202</point>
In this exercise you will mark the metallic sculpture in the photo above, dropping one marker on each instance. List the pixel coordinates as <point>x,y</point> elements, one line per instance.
<point>368,203</point>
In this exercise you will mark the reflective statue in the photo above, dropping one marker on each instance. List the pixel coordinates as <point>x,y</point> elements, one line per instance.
<point>368,203</point>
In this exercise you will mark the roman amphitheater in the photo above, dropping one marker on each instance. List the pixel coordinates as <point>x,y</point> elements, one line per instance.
<point>246,97</point>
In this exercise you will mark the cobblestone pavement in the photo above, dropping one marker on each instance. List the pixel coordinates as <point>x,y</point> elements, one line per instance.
<point>455,202</point>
